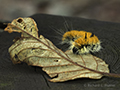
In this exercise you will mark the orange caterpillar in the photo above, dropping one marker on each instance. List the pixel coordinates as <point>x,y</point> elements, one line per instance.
<point>82,42</point>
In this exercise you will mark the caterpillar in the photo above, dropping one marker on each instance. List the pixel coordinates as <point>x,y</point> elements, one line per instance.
<point>81,42</point>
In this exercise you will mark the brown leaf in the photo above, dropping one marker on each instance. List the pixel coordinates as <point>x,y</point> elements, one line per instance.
<point>39,51</point>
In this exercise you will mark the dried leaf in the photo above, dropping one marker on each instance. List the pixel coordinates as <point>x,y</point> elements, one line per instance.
<point>39,51</point>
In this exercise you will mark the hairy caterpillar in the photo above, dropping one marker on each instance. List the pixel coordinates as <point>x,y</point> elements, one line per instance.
<point>82,42</point>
